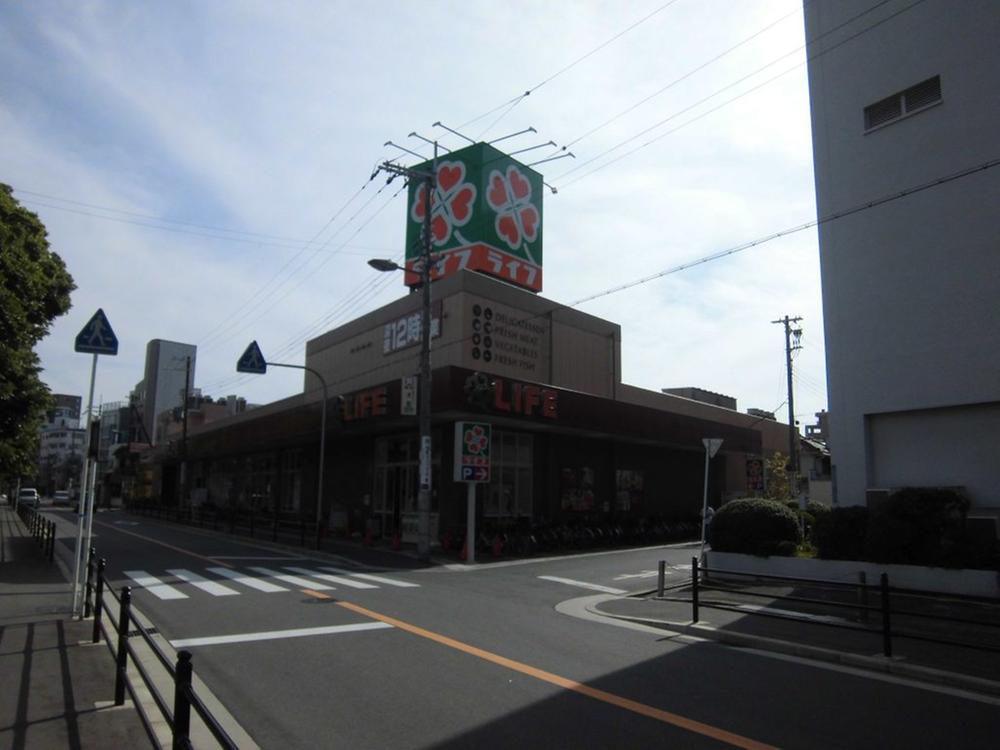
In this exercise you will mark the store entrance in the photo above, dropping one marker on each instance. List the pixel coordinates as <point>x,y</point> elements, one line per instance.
<point>396,483</point>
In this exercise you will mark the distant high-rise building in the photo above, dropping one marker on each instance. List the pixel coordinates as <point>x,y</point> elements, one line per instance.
<point>163,385</point>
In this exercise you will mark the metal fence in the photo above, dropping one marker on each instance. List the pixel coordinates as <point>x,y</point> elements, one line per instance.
<point>869,608</point>
<point>41,528</point>
<point>247,522</point>
<point>125,628</point>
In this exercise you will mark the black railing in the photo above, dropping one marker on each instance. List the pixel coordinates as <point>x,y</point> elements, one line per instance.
<point>126,629</point>
<point>245,522</point>
<point>850,597</point>
<point>40,527</point>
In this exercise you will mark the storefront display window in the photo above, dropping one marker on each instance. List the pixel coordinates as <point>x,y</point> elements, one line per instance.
<point>628,489</point>
<point>509,493</point>
<point>576,489</point>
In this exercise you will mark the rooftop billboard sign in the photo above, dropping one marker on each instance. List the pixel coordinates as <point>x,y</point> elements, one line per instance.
<point>486,215</point>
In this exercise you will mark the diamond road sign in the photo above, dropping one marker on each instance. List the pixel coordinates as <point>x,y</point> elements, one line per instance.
<point>97,336</point>
<point>252,360</point>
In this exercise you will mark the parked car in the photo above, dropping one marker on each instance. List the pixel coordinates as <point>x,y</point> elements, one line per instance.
<point>28,495</point>
<point>60,497</point>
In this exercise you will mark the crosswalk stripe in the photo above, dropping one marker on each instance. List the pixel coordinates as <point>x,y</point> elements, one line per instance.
<point>246,580</point>
<point>212,587</point>
<point>333,579</point>
<point>377,579</point>
<point>154,585</point>
<point>294,580</point>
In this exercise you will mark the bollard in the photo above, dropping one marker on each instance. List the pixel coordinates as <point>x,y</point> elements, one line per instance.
<point>661,573</point>
<point>52,541</point>
<point>89,585</point>
<point>886,626</point>
<point>694,589</point>
<point>251,522</point>
<point>274,529</point>
<point>122,656</point>
<point>302,531</point>
<point>99,600</point>
<point>182,702</point>
<point>863,595</point>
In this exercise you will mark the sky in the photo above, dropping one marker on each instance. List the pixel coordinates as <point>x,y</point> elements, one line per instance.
<point>203,169</point>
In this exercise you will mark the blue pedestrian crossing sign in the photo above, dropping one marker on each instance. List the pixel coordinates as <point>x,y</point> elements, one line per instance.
<point>252,360</point>
<point>97,336</point>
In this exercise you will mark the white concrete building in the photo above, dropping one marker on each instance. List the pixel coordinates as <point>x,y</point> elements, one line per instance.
<point>902,96</point>
<point>163,384</point>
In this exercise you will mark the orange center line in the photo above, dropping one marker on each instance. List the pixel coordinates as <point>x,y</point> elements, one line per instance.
<point>164,544</point>
<point>642,709</point>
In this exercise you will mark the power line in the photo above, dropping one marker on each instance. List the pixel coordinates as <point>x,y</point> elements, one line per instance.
<point>687,75</point>
<point>740,80</point>
<point>511,103</point>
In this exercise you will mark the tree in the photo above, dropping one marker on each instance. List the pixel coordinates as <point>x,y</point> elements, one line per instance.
<point>776,472</point>
<point>34,290</point>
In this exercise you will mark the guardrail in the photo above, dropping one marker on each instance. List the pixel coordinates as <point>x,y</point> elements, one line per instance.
<point>127,627</point>
<point>245,522</point>
<point>41,528</point>
<point>853,599</point>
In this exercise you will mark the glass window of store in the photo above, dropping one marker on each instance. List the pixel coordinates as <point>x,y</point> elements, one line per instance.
<point>291,481</point>
<point>509,493</point>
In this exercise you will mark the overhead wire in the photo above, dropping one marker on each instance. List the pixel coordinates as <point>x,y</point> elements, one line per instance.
<point>511,103</point>
<point>727,87</point>
<point>835,216</point>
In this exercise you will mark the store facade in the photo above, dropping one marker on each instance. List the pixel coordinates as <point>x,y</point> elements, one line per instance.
<point>570,440</point>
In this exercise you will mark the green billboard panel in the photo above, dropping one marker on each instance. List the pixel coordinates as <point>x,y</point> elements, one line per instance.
<point>485,215</point>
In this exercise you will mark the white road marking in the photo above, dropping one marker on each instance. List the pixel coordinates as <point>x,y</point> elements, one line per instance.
<point>294,580</point>
<point>643,574</point>
<point>377,579</point>
<point>213,587</point>
<point>154,585</point>
<point>271,635</point>
<point>584,585</point>
<point>247,580</point>
<point>332,579</point>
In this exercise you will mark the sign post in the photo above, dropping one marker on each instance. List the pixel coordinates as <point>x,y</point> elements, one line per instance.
<point>97,337</point>
<point>472,466</point>
<point>712,446</point>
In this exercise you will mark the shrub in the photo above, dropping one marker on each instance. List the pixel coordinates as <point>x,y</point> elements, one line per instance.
<point>754,526</point>
<point>839,533</point>
<point>919,526</point>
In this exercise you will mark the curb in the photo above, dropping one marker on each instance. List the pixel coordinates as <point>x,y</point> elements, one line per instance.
<point>816,653</point>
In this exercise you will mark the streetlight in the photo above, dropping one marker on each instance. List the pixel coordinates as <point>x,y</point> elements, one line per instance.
<point>253,362</point>
<point>424,400</point>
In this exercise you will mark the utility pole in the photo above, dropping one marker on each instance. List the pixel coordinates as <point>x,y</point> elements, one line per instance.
<point>793,435</point>
<point>424,402</point>
<point>184,429</point>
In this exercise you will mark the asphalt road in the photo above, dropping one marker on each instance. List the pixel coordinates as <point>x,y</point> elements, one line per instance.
<point>385,653</point>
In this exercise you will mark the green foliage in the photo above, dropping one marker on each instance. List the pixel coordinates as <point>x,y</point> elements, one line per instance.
<point>776,474</point>
<point>919,526</point>
<point>34,290</point>
<point>754,526</point>
<point>839,533</point>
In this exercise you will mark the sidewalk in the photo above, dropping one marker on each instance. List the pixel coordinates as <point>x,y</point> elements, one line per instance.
<point>809,630</point>
<point>57,687</point>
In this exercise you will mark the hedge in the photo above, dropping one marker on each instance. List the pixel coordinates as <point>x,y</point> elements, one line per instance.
<point>754,526</point>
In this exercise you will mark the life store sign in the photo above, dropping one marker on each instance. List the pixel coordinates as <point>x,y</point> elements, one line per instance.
<point>472,451</point>
<point>485,215</point>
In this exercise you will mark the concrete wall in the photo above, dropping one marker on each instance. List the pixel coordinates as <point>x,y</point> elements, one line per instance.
<point>910,288</point>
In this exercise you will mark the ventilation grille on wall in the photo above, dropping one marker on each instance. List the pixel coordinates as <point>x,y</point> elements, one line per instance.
<point>923,95</point>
